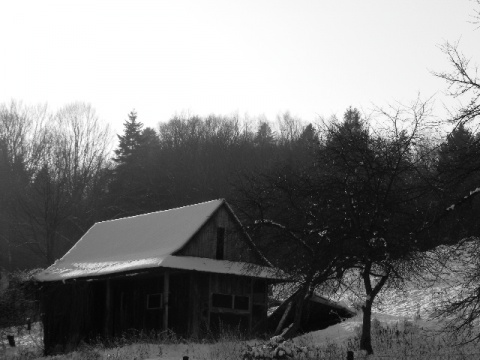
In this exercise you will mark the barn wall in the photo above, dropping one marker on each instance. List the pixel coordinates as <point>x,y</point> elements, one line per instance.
<point>199,304</point>
<point>179,303</point>
<point>243,303</point>
<point>67,315</point>
<point>204,243</point>
<point>130,303</point>
<point>206,318</point>
<point>259,305</point>
<point>83,310</point>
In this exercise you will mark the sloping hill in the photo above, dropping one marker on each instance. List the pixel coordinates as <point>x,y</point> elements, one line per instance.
<point>419,302</point>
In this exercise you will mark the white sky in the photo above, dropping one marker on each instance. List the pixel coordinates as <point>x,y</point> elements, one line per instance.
<point>247,56</point>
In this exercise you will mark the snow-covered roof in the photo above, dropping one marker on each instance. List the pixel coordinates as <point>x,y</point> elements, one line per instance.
<point>142,242</point>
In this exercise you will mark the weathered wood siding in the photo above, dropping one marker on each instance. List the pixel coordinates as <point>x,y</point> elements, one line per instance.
<point>259,305</point>
<point>251,318</point>
<point>199,311</point>
<point>66,315</point>
<point>129,304</point>
<point>83,310</point>
<point>205,317</point>
<point>230,284</point>
<point>236,248</point>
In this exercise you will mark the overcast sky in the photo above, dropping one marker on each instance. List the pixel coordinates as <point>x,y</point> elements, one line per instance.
<point>258,57</point>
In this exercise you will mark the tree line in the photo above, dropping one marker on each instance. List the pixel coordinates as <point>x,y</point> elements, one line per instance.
<point>59,175</point>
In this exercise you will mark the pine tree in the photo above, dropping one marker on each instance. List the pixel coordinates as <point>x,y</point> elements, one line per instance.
<point>265,136</point>
<point>457,155</point>
<point>458,163</point>
<point>131,140</point>
<point>136,178</point>
<point>458,175</point>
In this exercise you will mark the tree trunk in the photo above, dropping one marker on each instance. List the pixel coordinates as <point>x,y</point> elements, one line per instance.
<point>279,328</point>
<point>371,292</point>
<point>293,329</point>
<point>299,301</point>
<point>366,339</point>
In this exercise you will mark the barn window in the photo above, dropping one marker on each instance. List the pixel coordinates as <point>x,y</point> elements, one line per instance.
<point>154,301</point>
<point>222,301</point>
<point>241,302</point>
<point>236,302</point>
<point>220,243</point>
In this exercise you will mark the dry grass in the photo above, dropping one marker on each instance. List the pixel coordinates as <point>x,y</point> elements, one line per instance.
<point>408,341</point>
<point>403,341</point>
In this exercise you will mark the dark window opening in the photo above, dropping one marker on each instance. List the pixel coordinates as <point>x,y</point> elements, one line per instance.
<point>154,301</point>
<point>241,303</point>
<point>222,301</point>
<point>220,243</point>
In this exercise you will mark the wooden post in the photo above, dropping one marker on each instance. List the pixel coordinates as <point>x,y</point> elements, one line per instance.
<point>211,280</point>
<point>11,340</point>
<point>250,306</point>
<point>108,308</point>
<point>166,289</point>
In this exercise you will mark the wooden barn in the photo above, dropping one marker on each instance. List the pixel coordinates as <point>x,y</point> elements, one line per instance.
<point>190,270</point>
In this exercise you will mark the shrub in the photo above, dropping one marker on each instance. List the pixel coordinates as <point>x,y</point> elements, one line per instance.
<point>278,348</point>
<point>18,305</point>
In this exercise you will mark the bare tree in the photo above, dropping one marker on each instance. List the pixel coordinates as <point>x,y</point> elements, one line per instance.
<point>21,149</point>
<point>463,84</point>
<point>462,79</point>
<point>290,128</point>
<point>462,171</point>
<point>75,149</point>
<point>461,310</point>
<point>360,204</point>
<point>383,193</point>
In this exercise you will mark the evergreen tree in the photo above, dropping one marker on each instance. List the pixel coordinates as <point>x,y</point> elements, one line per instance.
<point>130,141</point>
<point>458,175</point>
<point>458,155</point>
<point>135,180</point>
<point>265,136</point>
<point>308,135</point>
<point>352,131</point>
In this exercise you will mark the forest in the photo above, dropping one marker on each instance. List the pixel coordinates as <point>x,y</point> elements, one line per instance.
<point>59,175</point>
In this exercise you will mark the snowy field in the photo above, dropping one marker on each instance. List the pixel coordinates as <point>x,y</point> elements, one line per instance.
<point>402,328</point>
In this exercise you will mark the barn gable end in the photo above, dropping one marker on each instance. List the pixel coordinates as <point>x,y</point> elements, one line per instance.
<point>222,238</point>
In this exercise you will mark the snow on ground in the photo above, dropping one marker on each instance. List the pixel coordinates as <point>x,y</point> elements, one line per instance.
<point>416,303</point>
<point>334,334</point>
